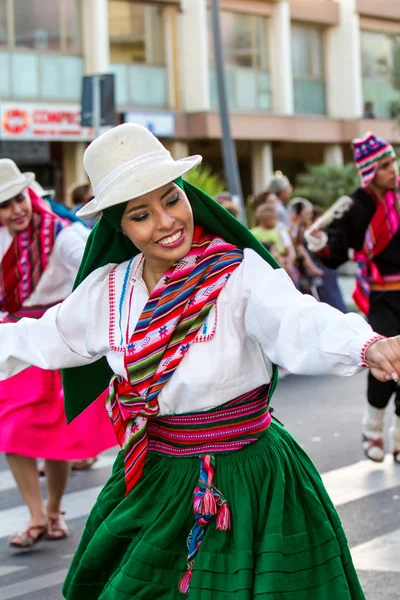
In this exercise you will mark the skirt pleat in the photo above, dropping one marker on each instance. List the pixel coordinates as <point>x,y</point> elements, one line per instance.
<point>286,540</point>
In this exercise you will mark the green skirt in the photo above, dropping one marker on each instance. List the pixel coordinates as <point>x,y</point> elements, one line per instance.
<point>286,541</point>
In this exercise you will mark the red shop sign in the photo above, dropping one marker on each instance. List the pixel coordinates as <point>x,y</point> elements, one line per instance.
<point>15,121</point>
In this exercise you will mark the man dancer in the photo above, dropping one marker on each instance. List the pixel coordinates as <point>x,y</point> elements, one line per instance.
<point>371,227</point>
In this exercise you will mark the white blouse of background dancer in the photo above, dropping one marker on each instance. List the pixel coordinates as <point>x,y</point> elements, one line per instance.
<point>58,278</point>
<point>259,318</point>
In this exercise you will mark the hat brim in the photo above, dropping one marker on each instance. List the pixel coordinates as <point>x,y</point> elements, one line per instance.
<point>143,182</point>
<point>14,190</point>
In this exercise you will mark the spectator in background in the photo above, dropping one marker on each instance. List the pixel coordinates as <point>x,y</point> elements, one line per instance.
<point>281,187</point>
<point>265,231</point>
<point>301,218</point>
<point>225,200</point>
<point>329,290</point>
<point>81,195</point>
<point>287,259</point>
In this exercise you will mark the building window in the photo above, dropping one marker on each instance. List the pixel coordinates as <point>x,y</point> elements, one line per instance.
<point>40,25</point>
<point>138,53</point>
<point>245,46</point>
<point>136,33</point>
<point>41,39</point>
<point>380,55</point>
<point>37,25</point>
<point>308,69</point>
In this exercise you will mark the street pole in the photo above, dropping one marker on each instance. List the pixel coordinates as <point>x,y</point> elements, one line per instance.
<point>96,105</point>
<point>228,144</point>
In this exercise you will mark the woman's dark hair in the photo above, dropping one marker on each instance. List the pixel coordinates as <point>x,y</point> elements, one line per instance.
<point>260,198</point>
<point>79,194</point>
<point>297,208</point>
<point>317,211</point>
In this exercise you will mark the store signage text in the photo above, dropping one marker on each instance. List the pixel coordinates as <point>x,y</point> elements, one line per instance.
<point>58,122</point>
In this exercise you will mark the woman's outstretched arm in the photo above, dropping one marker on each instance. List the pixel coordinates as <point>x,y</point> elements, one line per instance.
<point>63,337</point>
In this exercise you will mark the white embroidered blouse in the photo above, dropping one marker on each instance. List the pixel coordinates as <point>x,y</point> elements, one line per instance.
<point>259,318</point>
<point>58,279</point>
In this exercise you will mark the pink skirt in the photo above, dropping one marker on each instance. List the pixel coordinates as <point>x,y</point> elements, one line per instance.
<point>33,422</point>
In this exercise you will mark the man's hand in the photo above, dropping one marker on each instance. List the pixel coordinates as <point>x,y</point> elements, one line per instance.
<point>316,240</point>
<point>383,358</point>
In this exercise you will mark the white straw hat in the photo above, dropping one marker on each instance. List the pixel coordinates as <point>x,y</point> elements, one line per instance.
<point>12,181</point>
<point>126,162</point>
<point>35,185</point>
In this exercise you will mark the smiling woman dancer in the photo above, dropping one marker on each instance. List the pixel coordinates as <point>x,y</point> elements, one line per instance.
<point>209,496</point>
<point>40,254</point>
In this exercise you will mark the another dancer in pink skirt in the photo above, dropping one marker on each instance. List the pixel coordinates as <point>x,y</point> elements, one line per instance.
<point>40,255</point>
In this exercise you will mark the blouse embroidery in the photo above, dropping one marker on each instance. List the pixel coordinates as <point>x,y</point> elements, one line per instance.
<point>206,333</point>
<point>112,317</point>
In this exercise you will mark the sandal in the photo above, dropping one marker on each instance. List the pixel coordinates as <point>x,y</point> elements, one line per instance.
<point>28,537</point>
<point>83,465</point>
<point>57,528</point>
<point>373,449</point>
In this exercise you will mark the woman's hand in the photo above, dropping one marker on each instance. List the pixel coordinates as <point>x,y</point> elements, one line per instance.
<point>383,358</point>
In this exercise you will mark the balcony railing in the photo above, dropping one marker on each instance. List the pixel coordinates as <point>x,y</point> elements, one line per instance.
<point>247,89</point>
<point>140,85</point>
<point>40,76</point>
<point>309,97</point>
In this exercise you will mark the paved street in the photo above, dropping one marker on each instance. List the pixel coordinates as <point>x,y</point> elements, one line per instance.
<point>324,416</point>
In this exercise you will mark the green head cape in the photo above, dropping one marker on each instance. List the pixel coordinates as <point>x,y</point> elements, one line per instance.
<point>107,244</point>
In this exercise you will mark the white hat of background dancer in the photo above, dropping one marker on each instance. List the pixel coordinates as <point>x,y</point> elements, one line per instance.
<point>35,185</point>
<point>126,162</point>
<point>12,181</point>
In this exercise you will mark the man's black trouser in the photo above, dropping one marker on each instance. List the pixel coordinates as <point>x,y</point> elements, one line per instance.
<point>384,318</point>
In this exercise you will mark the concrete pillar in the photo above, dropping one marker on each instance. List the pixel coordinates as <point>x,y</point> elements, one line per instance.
<point>149,31</point>
<point>333,155</point>
<point>194,56</point>
<point>177,148</point>
<point>343,68</point>
<point>96,40</point>
<point>171,57</point>
<point>261,165</point>
<point>73,171</point>
<point>281,62</point>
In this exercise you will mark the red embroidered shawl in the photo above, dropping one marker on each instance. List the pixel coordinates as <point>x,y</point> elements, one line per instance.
<point>28,255</point>
<point>383,227</point>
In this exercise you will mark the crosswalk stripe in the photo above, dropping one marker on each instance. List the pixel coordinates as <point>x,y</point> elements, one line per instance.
<point>75,504</point>
<point>7,481</point>
<point>379,554</point>
<point>9,569</point>
<point>361,479</point>
<point>42,582</point>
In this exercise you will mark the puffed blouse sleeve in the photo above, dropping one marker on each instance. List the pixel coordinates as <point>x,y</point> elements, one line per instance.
<point>295,331</point>
<point>69,334</point>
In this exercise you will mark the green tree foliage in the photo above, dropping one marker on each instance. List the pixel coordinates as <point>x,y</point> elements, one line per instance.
<point>204,178</point>
<point>324,184</point>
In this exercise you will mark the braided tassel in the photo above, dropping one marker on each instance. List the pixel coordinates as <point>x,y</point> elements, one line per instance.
<point>208,506</point>
<point>184,582</point>
<point>223,518</point>
<point>208,502</point>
